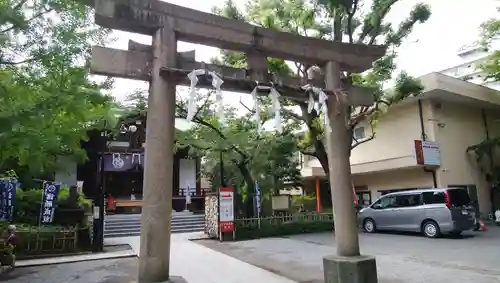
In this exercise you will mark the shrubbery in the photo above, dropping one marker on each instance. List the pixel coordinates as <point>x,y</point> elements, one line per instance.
<point>308,203</point>
<point>270,229</point>
<point>28,204</point>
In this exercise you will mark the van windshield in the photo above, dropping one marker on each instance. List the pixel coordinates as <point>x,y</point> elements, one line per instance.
<point>459,197</point>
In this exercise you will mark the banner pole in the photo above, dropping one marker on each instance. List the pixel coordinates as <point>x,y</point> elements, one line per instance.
<point>41,205</point>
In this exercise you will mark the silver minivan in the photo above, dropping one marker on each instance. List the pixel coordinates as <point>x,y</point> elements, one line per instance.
<point>431,211</point>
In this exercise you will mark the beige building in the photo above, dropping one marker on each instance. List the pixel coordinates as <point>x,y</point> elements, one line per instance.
<point>449,116</point>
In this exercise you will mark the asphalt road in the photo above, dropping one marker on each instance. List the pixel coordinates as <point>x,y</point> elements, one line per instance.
<point>400,259</point>
<point>99,271</point>
<point>475,257</point>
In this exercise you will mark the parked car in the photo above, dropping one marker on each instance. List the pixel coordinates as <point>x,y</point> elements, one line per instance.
<point>432,212</point>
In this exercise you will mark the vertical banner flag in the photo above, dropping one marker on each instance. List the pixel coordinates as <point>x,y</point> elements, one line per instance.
<point>7,199</point>
<point>3,198</point>
<point>11,188</point>
<point>49,201</point>
<point>257,198</point>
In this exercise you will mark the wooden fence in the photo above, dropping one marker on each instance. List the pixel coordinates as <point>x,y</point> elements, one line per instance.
<point>48,240</point>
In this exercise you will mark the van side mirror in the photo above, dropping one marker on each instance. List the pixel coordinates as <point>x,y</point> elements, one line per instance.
<point>376,206</point>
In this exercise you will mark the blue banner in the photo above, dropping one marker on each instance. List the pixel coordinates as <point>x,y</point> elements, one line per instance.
<point>49,201</point>
<point>257,198</point>
<point>3,198</point>
<point>7,199</point>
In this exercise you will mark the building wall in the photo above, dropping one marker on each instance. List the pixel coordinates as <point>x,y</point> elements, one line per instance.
<point>456,127</point>
<point>393,180</point>
<point>66,175</point>
<point>388,161</point>
<point>393,146</point>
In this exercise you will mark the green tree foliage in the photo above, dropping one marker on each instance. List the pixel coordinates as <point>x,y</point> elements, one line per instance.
<point>247,156</point>
<point>490,31</point>
<point>338,20</point>
<point>47,101</point>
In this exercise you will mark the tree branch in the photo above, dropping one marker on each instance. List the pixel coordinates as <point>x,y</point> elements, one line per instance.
<point>380,14</point>
<point>246,107</point>
<point>357,142</point>
<point>217,131</point>
<point>350,16</point>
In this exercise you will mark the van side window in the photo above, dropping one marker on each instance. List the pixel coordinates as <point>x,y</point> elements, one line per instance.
<point>387,202</point>
<point>434,197</point>
<point>408,200</point>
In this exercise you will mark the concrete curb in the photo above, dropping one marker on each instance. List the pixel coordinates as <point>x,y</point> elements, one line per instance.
<point>77,258</point>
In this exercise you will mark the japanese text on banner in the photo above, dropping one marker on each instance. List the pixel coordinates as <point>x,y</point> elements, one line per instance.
<point>49,201</point>
<point>8,190</point>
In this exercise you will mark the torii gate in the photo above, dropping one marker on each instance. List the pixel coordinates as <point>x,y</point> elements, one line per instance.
<point>164,68</point>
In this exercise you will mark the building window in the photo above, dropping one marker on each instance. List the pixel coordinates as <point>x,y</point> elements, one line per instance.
<point>359,133</point>
<point>364,198</point>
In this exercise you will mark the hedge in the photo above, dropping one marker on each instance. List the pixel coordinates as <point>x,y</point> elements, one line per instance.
<point>46,240</point>
<point>246,229</point>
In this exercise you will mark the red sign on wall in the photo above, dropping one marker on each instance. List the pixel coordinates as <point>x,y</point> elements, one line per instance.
<point>419,154</point>
<point>226,227</point>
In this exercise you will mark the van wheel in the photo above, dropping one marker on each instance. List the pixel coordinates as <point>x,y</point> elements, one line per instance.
<point>431,229</point>
<point>369,226</point>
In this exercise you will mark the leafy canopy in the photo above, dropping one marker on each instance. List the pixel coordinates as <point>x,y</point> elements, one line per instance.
<point>338,20</point>
<point>47,101</point>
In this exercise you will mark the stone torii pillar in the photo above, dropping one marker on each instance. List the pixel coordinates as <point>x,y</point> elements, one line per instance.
<point>347,266</point>
<point>154,258</point>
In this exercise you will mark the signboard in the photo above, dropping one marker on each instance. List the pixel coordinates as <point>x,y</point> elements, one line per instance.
<point>7,199</point>
<point>226,210</point>
<point>49,201</point>
<point>427,153</point>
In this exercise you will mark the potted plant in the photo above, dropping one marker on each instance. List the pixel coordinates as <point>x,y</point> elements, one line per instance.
<point>9,257</point>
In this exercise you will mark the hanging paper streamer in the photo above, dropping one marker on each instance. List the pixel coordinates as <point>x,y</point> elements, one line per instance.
<point>310,103</point>
<point>216,83</point>
<point>256,109</point>
<point>276,107</point>
<point>193,78</point>
<point>322,101</point>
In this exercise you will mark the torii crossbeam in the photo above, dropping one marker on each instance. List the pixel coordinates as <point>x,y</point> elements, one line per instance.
<point>164,68</point>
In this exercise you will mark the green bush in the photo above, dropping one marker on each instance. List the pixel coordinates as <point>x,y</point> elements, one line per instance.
<point>287,228</point>
<point>307,202</point>
<point>44,240</point>
<point>28,204</point>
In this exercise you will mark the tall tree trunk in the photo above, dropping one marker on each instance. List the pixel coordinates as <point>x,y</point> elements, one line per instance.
<point>248,203</point>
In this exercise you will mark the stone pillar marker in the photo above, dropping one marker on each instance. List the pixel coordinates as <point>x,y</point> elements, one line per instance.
<point>347,266</point>
<point>154,259</point>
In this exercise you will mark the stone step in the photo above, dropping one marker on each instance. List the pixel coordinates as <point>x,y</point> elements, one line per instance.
<point>138,226</point>
<point>133,224</point>
<point>138,218</point>
<point>135,233</point>
<point>123,225</point>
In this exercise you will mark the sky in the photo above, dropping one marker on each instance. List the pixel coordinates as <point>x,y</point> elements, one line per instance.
<point>431,46</point>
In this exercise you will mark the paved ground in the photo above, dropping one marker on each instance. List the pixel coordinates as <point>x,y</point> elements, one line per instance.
<point>99,271</point>
<point>400,258</point>
<point>195,263</point>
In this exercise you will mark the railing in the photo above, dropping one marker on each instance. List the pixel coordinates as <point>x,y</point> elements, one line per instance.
<point>278,220</point>
<point>198,192</point>
<point>47,240</point>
